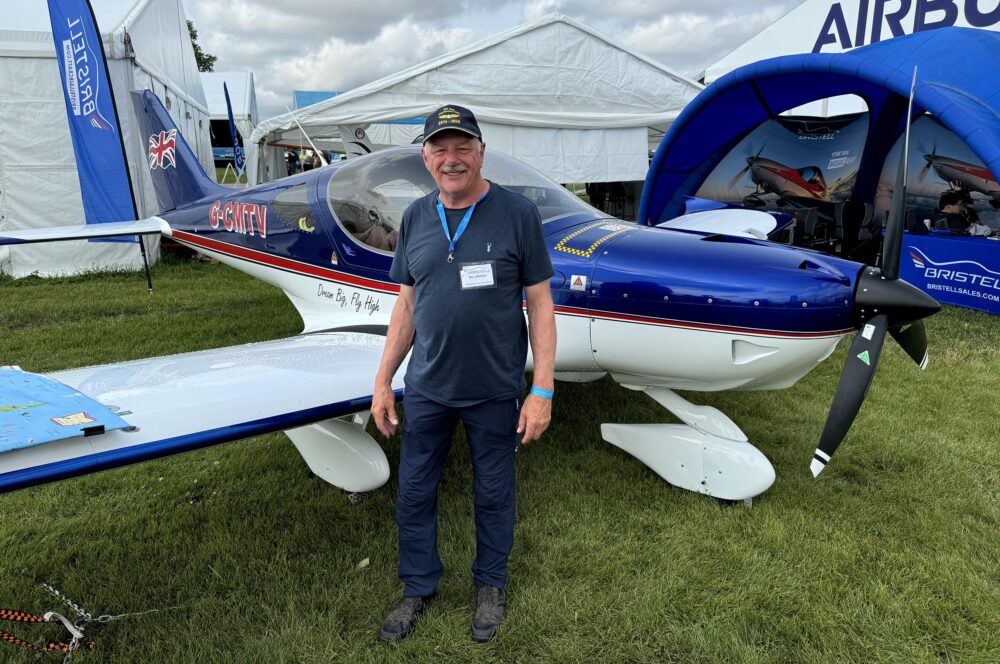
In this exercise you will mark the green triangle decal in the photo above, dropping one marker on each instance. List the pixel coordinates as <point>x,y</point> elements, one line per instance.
<point>864,358</point>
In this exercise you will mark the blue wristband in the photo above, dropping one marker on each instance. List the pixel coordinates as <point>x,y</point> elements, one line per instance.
<point>539,392</point>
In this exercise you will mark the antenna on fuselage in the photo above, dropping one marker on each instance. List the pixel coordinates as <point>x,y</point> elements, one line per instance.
<point>313,145</point>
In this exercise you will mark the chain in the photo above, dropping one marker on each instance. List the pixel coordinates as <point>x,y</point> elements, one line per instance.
<point>85,617</point>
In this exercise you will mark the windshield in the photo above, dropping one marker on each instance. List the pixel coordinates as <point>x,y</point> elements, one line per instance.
<point>369,194</point>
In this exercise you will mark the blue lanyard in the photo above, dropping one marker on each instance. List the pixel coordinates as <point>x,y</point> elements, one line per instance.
<point>452,241</point>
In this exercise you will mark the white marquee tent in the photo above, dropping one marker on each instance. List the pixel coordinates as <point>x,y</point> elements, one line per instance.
<point>553,93</point>
<point>832,27</point>
<point>242,95</point>
<point>147,46</point>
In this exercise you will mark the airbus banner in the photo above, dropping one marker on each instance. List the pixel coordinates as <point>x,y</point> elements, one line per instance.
<point>93,119</point>
<point>855,23</point>
<point>964,271</point>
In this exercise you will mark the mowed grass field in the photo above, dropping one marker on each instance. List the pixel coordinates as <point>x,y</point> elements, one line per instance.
<point>892,555</point>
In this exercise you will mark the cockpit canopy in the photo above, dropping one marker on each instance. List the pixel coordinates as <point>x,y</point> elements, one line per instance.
<point>813,176</point>
<point>369,194</point>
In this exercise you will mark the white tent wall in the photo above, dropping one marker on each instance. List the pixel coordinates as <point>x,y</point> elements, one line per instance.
<point>577,155</point>
<point>553,90</point>
<point>39,186</point>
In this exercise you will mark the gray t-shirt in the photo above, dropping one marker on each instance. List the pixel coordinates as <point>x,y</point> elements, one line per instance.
<point>470,344</point>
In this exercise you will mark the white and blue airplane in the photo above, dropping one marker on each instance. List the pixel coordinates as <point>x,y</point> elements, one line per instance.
<point>700,304</point>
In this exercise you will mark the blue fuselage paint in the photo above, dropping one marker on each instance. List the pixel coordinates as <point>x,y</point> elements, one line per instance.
<point>629,270</point>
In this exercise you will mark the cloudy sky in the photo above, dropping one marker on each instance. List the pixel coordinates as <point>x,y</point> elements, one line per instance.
<point>340,44</point>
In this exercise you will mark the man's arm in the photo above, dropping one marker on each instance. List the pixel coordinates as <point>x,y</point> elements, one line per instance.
<point>537,411</point>
<point>398,341</point>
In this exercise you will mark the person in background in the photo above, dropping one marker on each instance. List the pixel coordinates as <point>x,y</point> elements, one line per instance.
<point>307,157</point>
<point>290,160</point>
<point>952,209</point>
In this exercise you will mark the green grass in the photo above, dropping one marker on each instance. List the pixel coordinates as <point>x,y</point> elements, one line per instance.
<point>893,554</point>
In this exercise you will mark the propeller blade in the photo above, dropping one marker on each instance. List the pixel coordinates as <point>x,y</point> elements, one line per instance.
<point>893,246</point>
<point>732,183</point>
<point>929,158</point>
<point>923,172</point>
<point>854,382</point>
<point>912,338</point>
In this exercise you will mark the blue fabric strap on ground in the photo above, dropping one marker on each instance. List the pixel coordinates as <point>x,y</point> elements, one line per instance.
<point>35,410</point>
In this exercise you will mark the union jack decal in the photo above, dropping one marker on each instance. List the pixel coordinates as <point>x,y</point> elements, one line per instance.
<point>162,149</point>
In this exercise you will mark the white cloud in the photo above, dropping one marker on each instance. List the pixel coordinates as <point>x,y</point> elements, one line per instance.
<point>340,44</point>
<point>663,39</point>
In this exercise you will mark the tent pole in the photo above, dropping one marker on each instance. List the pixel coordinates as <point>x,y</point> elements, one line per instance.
<point>145,264</point>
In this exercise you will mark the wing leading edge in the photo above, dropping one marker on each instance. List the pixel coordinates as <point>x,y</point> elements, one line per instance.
<point>184,402</point>
<point>150,226</point>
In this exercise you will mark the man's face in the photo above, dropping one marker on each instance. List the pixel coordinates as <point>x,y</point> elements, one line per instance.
<point>955,208</point>
<point>455,161</point>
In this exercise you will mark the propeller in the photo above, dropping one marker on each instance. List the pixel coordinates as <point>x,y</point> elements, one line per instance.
<point>930,162</point>
<point>750,161</point>
<point>912,337</point>
<point>882,303</point>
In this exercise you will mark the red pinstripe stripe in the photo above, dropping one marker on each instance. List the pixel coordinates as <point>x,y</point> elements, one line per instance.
<point>282,263</point>
<point>298,267</point>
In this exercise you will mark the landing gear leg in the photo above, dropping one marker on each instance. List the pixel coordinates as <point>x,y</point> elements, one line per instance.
<point>707,454</point>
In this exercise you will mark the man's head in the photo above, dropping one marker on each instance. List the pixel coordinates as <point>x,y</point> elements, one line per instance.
<point>453,152</point>
<point>953,202</point>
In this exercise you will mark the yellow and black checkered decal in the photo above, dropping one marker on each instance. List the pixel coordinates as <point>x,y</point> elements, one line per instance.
<point>584,241</point>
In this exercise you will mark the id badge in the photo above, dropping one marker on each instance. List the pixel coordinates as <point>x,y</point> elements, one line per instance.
<point>478,275</point>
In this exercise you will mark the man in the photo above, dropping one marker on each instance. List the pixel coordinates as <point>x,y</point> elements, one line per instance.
<point>463,256</point>
<point>953,207</point>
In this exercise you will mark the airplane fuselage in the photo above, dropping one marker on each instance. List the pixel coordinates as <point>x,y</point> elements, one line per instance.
<point>965,175</point>
<point>786,181</point>
<point>648,305</point>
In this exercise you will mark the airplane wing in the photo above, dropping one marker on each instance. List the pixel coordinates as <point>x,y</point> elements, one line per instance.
<point>183,402</point>
<point>150,226</point>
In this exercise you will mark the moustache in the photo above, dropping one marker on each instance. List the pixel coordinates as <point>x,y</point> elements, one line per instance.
<point>453,170</point>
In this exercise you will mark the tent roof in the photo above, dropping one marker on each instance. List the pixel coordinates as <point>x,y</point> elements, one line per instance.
<point>964,98</point>
<point>552,72</point>
<point>241,93</point>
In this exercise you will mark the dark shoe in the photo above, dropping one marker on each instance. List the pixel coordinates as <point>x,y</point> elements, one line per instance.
<point>403,618</point>
<point>491,606</point>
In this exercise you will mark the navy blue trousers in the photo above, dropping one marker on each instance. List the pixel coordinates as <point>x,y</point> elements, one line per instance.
<point>491,428</point>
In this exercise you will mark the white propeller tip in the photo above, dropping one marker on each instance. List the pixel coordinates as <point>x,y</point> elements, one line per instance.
<point>820,459</point>
<point>816,467</point>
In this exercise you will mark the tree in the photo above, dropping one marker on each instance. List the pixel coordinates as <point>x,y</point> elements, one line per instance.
<point>206,61</point>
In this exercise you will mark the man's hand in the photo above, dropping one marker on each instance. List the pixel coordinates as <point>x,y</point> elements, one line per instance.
<point>398,339</point>
<point>384,410</point>
<point>536,413</point>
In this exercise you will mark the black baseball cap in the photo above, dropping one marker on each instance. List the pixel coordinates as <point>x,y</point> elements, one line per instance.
<point>451,117</point>
<point>954,197</point>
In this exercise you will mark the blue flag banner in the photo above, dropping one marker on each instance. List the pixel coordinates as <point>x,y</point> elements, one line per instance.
<point>239,159</point>
<point>964,271</point>
<point>105,184</point>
